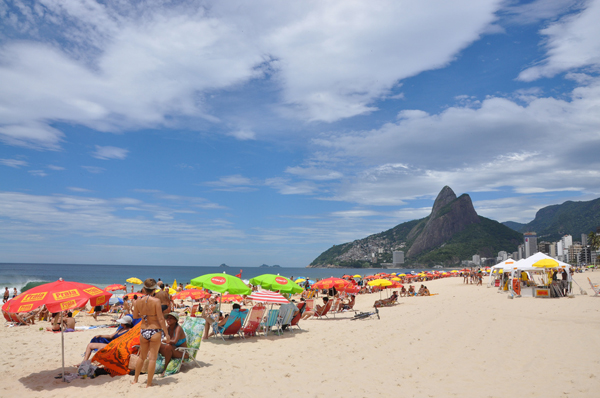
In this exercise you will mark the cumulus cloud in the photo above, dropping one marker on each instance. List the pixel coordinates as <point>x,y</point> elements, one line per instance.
<point>14,163</point>
<point>115,66</point>
<point>532,147</point>
<point>109,152</point>
<point>572,42</point>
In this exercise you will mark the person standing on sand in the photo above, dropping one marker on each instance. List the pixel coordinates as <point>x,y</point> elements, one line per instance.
<point>15,292</point>
<point>6,295</point>
<point>153,329</point>
<point>165,299</point>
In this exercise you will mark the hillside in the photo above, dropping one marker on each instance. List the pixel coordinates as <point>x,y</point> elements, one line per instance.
<point>569,218</point>
<point>451,233</point>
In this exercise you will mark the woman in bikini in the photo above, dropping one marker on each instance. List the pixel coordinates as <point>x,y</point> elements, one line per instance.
<point>153,328</point>
<point>178,339</point>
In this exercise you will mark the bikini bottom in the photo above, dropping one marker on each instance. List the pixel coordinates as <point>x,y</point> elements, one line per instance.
<point>148,333</point>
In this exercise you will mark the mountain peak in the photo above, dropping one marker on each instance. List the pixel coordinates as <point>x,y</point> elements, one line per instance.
<point>449,216</point>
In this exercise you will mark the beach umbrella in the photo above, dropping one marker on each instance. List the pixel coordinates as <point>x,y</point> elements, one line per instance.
<point>58,296</point>
<point>299,280</point>
<point>357,276</point>
<point>231,298</point>
<point>130,295</point>
<point>331,282</point>
<point>276,282</point>
<point>194,294</point>
<point>396,279</point>
<point>221,283</point>
<point>380,283</point>
<point>135,281</point>
<point>112,288</point>
<point>350,289</point>
<point>267,296</point>
<point>191,287</point>
<point>545,263</point>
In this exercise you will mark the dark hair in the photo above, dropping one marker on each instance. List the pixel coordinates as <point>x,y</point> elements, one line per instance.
<point>325,299</point>
<point>69,314</point>
<point>236,306</point>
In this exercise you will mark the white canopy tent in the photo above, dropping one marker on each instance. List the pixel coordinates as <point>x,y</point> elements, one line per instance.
<point>527,265</point>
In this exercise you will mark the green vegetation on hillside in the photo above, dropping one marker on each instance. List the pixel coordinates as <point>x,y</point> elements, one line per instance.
<point>486,239</point>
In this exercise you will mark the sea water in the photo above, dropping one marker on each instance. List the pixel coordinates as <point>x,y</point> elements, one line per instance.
<point>26,276</point>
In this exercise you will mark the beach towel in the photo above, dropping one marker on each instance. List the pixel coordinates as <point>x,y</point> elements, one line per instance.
<point>115,356</point>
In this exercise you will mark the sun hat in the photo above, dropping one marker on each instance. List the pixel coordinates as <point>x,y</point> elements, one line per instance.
<point>126,319</point>
<point>150,284</point>
<point>174,315</point>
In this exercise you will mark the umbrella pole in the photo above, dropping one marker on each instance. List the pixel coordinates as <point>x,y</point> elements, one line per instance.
<point>62,341</point>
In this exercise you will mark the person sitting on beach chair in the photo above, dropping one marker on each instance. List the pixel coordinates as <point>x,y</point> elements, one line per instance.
<point>349,305</point>
<point>318,310</point>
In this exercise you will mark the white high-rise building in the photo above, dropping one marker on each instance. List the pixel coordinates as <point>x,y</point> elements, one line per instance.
<point>398,258</point>
<point>502,256</point>
<point>531,246</point>
<point>476,259</point>
<point>584,240</point>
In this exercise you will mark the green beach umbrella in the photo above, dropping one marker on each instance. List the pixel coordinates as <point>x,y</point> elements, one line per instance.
<point>221,283</point>
<point>276,282</point>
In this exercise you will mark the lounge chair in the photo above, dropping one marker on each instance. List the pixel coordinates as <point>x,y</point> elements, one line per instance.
<point>310,304</point>
<point>253,320</point>
<point>296,319</point>
<point>233,325</point>
<point>193,328</point>
<point>324,310</point>
<point>270,321</point>
<point>286,313</point>
<point>595,288</point>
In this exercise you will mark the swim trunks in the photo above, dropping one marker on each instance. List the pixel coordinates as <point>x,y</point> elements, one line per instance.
<point>164,307</point>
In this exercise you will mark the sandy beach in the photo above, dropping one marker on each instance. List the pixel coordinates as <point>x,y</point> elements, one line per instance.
<point>467,341</point>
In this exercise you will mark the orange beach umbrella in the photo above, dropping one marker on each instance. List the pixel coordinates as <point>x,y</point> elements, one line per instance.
<point>331,282</point>
<point>112,288</point>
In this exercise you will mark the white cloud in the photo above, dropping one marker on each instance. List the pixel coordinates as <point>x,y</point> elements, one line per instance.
<point>243,135</point>
<point>56,168</point>
<point>314,173</point>
<point>37,173</point>
<point>539,10</point>
<point>120,66</point>
<point>93,169</point>
<point>110,152</point>
<point>15,163</point>
<point>573,42</point>
<point>544,145</point>
<point>77,189</point>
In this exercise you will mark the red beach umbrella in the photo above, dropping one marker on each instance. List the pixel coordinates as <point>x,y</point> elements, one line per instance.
<point>112,288</point>
<point>57,297</point>
<point>331,282</point>
<point>232,298</point>
<point>130,295</point>
<point>194,294</point>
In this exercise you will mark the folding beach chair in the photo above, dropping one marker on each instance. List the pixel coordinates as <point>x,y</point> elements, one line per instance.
<point>193,328</point>
<point>270,321</point>
<point>595,288</point>
<point>253,320</point>
<point>310,304</point>
<point>233,325</point>
<point>324,311</point>
<point>286,313</point>
<point>297,317</point>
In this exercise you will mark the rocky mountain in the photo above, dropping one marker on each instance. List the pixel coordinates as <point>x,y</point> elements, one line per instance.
<point>569,218</point>
<point>451,233</point>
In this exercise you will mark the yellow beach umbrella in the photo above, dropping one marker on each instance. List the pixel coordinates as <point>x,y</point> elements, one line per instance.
<point>454,271</point>
<point>402,275</point>
<point>357,276</point>
<point>134,281</point>
<point>396,279</point>
<point>393,273</point>
<point>379,282</point>
<point>546,263</point>
<point>300,280</point>
<point>191,287</point>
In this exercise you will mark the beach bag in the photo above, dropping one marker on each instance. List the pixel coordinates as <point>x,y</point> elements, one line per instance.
<point>86,369</point>
<point>134,359</point>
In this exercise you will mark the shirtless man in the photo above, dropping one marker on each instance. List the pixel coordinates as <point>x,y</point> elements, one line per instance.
<point>69,322</point>
<point>165,299</point>
<point>6,295</point>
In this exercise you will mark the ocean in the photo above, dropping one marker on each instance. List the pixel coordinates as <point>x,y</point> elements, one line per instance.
<point>26,276</point>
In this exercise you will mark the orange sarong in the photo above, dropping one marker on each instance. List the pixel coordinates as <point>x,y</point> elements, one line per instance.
<point>115,356</point>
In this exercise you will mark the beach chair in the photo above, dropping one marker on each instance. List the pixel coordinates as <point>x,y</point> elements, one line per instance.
<point>233,325</point>
<point>595,288</point>
<point>193,328</point>
<point>253,320</point>
<point>286,313</point>
<point>270,321</point>
<point>324,310</point>
<point>310,304</point>
<point>296,319</point>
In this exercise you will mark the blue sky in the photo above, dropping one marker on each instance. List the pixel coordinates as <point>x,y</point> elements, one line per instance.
<point>202,132</point>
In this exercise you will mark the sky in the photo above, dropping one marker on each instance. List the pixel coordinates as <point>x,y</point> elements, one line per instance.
<point>264,132</point>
